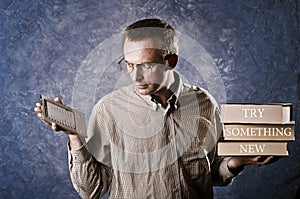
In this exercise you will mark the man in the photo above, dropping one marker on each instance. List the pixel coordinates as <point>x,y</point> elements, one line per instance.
<point>155,138</point>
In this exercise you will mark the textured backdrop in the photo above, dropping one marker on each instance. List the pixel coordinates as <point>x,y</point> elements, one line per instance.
<point>253,44</point>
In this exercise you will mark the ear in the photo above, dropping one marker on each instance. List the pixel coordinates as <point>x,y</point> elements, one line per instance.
<point>172,60</point>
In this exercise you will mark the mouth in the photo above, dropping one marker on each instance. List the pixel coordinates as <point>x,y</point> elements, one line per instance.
<point>141,86</point>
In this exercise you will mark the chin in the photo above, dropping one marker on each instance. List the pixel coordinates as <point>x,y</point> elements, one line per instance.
<point>143,92</point>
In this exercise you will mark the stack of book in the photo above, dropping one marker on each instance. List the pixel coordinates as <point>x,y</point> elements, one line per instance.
<point>256,129</point>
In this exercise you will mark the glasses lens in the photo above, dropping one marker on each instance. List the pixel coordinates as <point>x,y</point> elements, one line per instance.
<point>128,67</point>
<point>147,66</point>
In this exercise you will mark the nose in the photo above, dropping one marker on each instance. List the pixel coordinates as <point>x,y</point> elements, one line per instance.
<point>137,74</point>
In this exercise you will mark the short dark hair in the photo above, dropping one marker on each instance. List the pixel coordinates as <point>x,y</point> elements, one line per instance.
<point>152,28</point>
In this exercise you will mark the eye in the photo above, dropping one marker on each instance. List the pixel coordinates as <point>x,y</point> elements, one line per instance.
<point>148,65</point>
<point>130,65</point>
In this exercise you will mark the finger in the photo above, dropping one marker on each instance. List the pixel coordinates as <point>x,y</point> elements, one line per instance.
<point>256,159</point>
<point>54,127</point>
<point>262,162</point>
<point>37,110</point>
<point>40,115</point>
<point>58,100</point>
<point>268,160</point>
<point>275,158</point>
<point>38,107</point>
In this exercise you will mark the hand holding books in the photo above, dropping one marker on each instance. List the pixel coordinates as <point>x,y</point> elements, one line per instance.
<point>237,164</point>
<point>255,134</point>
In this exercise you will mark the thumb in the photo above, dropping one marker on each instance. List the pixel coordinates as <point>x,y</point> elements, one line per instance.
<point>56,127</point>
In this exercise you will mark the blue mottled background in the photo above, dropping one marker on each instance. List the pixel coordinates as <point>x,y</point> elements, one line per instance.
<point>254,44</point>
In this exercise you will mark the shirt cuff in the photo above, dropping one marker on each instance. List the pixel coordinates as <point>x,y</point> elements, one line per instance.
<point>224,170</point>
<point>78,155</point>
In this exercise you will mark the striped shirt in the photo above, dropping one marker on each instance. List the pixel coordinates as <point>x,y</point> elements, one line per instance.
<point>138,149</point>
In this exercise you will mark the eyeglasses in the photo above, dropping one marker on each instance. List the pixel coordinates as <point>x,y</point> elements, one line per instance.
<point>130,66</point>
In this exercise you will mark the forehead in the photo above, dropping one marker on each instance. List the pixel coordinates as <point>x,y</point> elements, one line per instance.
<point>136,50</point>
<point>150,43</point>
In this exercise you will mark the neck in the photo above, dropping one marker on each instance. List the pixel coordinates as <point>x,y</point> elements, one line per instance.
<point>162,96</point>
<point>165,92</point>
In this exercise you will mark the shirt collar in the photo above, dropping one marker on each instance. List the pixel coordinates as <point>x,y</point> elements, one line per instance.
<point>176,87</point>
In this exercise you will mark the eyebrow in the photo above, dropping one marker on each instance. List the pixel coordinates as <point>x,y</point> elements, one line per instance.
<point>136,64</point>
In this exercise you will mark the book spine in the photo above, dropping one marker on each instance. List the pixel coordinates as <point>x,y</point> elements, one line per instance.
<point>245,113</point>
<point>252,148</point>
<point>271,132</point>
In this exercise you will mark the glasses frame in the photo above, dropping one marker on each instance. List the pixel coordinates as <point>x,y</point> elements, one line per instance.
<point>145,66</point>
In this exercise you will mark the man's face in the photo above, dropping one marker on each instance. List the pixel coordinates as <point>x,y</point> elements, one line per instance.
<point>147,81</point>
